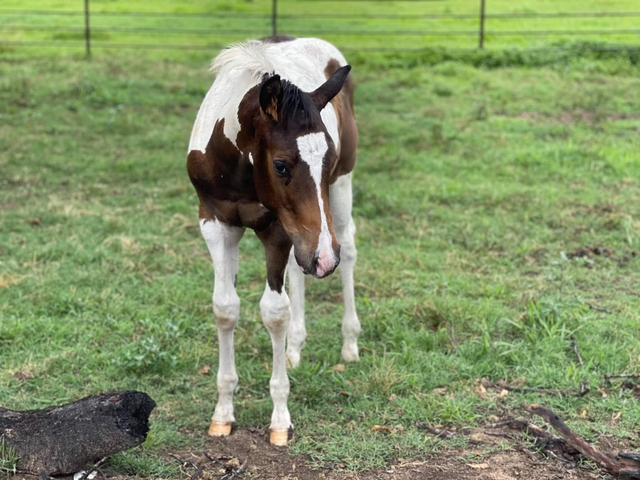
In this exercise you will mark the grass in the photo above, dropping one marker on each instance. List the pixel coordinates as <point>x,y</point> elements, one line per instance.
<point>8,459</point>
<point>475,190</point>
<point>235,20</point>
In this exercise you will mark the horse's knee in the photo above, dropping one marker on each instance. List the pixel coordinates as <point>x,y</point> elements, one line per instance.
<point>345,233</point>
<point>276,310</point>
<point>227,380</point>
<point>226,311</point>
<point>277,320</point>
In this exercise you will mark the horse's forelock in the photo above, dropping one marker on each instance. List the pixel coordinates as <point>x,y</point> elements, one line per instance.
<point>297,106</point>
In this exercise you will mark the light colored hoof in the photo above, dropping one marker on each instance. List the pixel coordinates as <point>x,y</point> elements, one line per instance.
<point>350,353</point>
<point>217,429</point>
<point>280,438</point>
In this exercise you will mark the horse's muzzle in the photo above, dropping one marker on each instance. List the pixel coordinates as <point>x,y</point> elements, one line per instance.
<point>322,265</point>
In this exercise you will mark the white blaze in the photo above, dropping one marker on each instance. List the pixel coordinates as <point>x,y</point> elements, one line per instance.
<point>313,147</point>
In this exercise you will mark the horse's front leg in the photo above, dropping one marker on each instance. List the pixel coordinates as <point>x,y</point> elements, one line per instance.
<point>345,228</point>
<point>223,242</point>
<point>297,332</point>
<point>276,314</point>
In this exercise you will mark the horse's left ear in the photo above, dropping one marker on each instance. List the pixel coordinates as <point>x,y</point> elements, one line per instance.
<point>329,89</point>
<point>271,96</point>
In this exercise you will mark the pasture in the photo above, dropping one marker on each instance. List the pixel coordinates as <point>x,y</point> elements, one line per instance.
<point>498,217</point>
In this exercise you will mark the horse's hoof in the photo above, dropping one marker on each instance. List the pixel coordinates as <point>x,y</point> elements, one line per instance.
<point>217,429</point>
<point>350,353</point>
<point>280,438</point>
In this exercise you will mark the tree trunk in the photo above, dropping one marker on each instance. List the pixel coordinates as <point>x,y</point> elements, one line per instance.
<point>63,439</point>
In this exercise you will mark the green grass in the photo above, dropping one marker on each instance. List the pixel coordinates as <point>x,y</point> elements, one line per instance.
<point>8,459</point>
<point>473,188</point>
<point>251,18</point>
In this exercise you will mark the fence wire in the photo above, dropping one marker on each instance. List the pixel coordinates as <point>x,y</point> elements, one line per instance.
<point>264,23</point>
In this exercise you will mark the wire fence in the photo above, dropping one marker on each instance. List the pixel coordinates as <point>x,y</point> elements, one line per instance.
<point>357,25</point>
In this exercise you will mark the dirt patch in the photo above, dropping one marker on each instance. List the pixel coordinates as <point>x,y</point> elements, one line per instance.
<point>248,455</point>
<point>622,259</point>
<point>590,252</point>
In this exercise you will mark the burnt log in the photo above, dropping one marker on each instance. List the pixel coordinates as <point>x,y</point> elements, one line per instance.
<point>61,440</point>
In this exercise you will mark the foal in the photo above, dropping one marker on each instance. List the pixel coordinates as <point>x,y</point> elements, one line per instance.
<point>272,149</point>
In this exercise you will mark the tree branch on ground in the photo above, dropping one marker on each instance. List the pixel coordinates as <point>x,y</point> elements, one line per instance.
<point>628,466</point>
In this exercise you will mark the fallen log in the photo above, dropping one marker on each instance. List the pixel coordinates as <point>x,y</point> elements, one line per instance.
<point>61,440</point>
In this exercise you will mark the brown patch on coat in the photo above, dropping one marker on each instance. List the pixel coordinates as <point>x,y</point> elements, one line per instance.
<point>347,128</point>
<point>223,180</point>
<point>276,246</point>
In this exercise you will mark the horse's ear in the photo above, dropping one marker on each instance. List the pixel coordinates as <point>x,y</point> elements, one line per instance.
<point>329,89</point>
<point>271,96</point>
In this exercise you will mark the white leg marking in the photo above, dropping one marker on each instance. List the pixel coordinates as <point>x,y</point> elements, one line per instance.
<point>223,242</point>
<point>297,333</point>
<point>312,148</point>
<point>276,312</point>
<point>341,204</point>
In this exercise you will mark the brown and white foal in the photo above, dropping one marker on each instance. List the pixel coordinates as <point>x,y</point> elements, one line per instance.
<point>272,149</point>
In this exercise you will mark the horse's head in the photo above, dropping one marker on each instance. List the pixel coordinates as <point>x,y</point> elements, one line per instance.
<point>291,173</point>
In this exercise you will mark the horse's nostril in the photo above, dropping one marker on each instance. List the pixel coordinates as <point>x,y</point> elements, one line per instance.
<point>325,264</point>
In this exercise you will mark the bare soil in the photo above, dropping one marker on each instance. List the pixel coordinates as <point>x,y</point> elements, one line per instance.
<point>249,455</point>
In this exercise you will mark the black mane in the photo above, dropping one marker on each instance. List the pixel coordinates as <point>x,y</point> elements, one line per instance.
<point>296,105</point>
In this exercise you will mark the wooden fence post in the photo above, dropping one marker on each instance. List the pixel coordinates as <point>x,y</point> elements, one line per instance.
<point>481,39</point>
<point>274,17</point>
<point>87,28</point>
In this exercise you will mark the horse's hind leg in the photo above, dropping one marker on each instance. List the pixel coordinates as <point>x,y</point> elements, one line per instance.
<point>223,242</point>
<point>297,333</point>
<point>341,198</point>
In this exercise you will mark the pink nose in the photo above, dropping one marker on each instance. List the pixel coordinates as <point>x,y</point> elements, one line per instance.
<point>326,263</point>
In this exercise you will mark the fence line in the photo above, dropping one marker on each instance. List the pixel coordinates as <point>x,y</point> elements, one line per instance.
<point>272,18</point>
<point>410,33</point>
<point>391,16</point>
<point>209,47</point>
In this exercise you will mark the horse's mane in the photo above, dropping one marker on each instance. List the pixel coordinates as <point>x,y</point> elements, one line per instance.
<point>251,57</point>
<point>256,59</point>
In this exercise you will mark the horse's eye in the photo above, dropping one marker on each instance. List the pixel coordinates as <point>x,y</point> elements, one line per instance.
<point>281,168</point>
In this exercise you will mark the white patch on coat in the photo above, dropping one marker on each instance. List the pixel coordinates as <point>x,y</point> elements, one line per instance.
<point>221,102</point>
<point>241,67</point>
<point>330,120</point>
<point>250,158</point>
